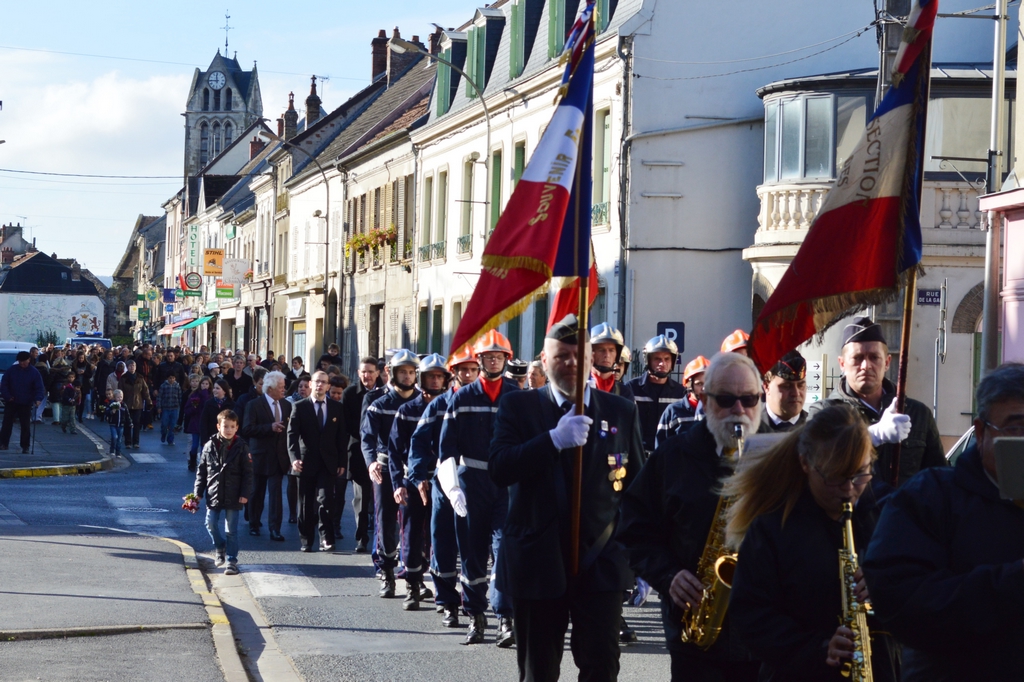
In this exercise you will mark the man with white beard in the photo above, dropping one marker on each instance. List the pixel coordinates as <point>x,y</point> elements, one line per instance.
<point>669,508</point>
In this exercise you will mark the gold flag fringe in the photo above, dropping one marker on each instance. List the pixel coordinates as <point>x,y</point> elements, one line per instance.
<point>514,310</point>
<point>499,266</point>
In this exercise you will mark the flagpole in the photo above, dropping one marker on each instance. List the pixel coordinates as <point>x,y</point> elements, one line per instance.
<point>910,294</point>
<point>581,379</point>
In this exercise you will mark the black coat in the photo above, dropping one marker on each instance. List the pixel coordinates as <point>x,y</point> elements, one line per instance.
<point>318,449</point>
<point>921,449</point>
<point>208,419</point>
<point>533,562</point>
<point>786,594</point>
<point>652,400</point>
<point>666,516</point>
<point>240,386</point>
<point>269,448</point>
<point>946,575</point>
<point>768,426</point>
<point>224,473</point>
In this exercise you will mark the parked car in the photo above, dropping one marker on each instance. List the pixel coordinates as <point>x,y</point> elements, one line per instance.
<point>87,340</point>
<point>9,351</point>
<point>966,441</point>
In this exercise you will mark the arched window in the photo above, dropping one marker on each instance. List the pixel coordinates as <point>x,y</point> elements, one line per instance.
<point>227,99</point>
<point>216,139</point>
<point>204,144</point>
<point>227,134</point>
<point>216,100</point>
<point>206,99</point>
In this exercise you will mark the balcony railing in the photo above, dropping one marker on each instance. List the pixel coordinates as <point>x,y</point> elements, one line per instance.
<point>464,244</point>
<point>425,252</point>
<point>438,250</point>
<point>599,214</point>
<point>392,253</point>
<point>377,258</point>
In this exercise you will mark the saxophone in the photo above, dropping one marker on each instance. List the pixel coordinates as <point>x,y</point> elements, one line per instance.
<point>703,623</point>
<point>855,615</point>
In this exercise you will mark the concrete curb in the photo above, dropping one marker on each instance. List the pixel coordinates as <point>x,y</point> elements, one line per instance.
<point>223,637</point>
<point>93,631</point>
<point>103,463</point>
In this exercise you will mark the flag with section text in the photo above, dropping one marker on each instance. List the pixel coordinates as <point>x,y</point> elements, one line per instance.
<point>545,226</point>
<point>867,235</point>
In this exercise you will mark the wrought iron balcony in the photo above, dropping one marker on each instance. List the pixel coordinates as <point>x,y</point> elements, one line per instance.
<point>599,214</point>
<point>464,244</point>
<point>438,250</point>
<point>425,252</point>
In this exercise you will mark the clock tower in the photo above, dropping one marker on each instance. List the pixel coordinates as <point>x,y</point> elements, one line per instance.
<point>223,101</point>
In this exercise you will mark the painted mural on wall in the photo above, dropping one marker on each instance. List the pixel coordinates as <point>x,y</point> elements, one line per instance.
<point>26,315</point>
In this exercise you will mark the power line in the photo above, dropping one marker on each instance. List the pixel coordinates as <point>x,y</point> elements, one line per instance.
<point>148,61</point>
<point>90,175</point>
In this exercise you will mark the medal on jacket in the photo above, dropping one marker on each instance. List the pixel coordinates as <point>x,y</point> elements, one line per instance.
<point>617,464</point>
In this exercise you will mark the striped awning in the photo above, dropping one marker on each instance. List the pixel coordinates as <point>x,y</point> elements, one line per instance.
<point>196,323</point>
<point>169,329</point>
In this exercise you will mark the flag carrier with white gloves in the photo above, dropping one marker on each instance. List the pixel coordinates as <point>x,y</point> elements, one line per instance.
<point>375,433</point>
<point>480,505</point>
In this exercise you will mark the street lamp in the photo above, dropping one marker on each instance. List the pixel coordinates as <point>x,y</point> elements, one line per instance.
<point>400,46</point>
<point>327,214</point>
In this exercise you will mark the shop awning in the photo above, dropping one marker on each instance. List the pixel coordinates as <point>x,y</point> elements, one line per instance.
<point>168,329</point>
<point>196,323</point>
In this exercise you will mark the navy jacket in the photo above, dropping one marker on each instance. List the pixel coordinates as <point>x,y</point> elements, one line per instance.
<point>402,428</point>
<point>425,439</point>
<point>786,595</point>
<point>945,569</point>
<point>533,561</point>
<point>652,399</point>
<point>469,421</point>
<point>375,430</point>
<point>666,515</point>
<point>22,386</point>
<point>676,419</point>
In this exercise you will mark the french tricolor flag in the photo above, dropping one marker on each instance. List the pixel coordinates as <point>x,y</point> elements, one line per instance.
<point>867,235</point>
<point>545,228</point>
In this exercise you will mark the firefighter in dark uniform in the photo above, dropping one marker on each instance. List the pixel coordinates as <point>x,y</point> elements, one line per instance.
<point>352,406</point>
<point>607,344</point>
<point>479,504</point>
<point>785,389</point>
<point>864,360</point>
<point>375,433</point>
<point>423,474</point>
<point>655,390</point>
<point>681,415</point>
<point>625,358</point>
<point>535,437</point>
<point>433,380</point>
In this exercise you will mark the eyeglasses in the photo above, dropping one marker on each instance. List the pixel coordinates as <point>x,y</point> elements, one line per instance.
<point>1011,430</point>
<point>492,356</point>
<point>858,480</point>
<point>726,400</point>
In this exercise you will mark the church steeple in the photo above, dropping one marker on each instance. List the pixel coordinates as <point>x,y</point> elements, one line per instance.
<point>312,104</point>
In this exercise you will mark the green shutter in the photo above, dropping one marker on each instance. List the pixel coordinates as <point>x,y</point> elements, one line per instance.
<point>540,323</point>
<point>519,163</point>
<point>495,188</point>
<point>556,27</point>
<point>421,336</point>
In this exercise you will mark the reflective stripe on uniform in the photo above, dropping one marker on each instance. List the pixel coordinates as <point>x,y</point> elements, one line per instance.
<point>471,408</point>
<point>473,463</point>
<point>643,399</point>
<point>405,417</point>
<point>374,408</point>
<point>444,575</point>
<point>427,420</point>
<point>668,400</point>
<point>382,458</point>
<point>478,581</point>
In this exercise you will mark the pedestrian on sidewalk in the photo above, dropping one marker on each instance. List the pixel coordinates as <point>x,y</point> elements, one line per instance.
<point>21,389</point>
<point>116,414</point>
<point>225,477</point>
<point>136,397</point>
<point>169,402</point>
<point>70,396</point>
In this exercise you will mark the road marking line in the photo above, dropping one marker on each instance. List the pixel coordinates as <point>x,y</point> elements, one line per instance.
<point>128,501</point>
<point>275,580</point>
<point>9,518</point>
<point>147,458</point>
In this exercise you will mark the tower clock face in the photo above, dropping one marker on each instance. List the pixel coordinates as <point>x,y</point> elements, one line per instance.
<point>217,80</point>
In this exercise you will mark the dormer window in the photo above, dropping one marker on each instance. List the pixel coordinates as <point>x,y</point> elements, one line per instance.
<point>453,50</point>
<point>561,15</point>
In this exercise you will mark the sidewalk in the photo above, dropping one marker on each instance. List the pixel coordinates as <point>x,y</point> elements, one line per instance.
<point>98,604</point>
<point>58,453</point>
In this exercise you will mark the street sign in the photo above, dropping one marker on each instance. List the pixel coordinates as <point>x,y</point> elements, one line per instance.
<point>929,297</point>
<point>141,297</point>
<point>168,296</point>
<point>193,280</point>
<point>178,293</point>
<point>143,314</point>
<point>168,308</point>
<point>816,380</point>
<point>193,292</point>
<point>674,331</point>
<point>152,295</point>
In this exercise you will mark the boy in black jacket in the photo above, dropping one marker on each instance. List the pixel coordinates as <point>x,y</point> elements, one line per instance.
<point>116,414</point>
<point>225,476</point>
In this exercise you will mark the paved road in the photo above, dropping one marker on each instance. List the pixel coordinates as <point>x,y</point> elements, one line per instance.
<point>321,608</point>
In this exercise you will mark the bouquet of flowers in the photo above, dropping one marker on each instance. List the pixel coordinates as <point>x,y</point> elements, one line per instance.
<point>191,503</point>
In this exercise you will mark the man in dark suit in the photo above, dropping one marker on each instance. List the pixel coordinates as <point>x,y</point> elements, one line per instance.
<point>785,390</point>
<point>362,492</point>
<point>264,425</point>
<point>317,442</point>
<point>535,437</point>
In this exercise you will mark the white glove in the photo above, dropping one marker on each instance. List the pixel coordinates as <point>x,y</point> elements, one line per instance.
<point>893,427</point>
<point>458,500</point>
<point>572,431</point>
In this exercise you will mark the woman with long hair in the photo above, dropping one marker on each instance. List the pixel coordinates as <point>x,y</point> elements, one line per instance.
<point>787,520</point>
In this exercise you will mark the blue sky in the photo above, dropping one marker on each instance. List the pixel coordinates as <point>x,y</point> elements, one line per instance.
<point>68,113</point>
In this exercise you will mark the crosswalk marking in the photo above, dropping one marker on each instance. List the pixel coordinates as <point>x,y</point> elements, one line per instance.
<point>139,522</point>
<point>148,458</point>
<point>127,501</point>
<point>274,580</point>
<point>8,518</point>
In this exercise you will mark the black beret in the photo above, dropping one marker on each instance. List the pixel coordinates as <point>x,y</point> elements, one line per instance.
<point>792,367</point>
<point>565,330</point>
<point>862,330</point>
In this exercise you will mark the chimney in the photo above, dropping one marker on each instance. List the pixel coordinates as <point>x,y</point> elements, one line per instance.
<point>397,63</point>
<point>312,104</point>
<point>7,255</point>
<point>379,54</point>
<point>76,272</point>
<point>280,127</point>
<point>256,145</point>
<point>435,41</point>
<point>291,118</point>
